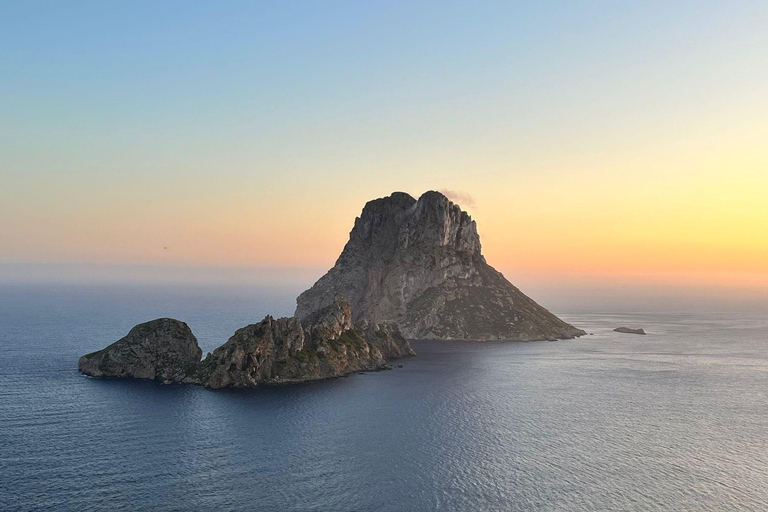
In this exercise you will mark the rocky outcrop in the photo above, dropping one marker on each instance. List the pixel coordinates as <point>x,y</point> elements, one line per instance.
<point>628,330</point>
<point>418,264</point>
<point>163,349</point>
<point>273,351</point>
<point>387,338</point>
<point>283,351</point>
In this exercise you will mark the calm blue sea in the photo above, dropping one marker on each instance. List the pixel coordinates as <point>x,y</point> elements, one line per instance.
<point>676,420</point>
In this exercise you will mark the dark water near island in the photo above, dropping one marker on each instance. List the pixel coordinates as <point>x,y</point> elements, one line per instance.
<point>676,420</point>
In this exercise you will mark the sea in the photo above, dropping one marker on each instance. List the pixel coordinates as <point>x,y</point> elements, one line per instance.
<point>675,420</point>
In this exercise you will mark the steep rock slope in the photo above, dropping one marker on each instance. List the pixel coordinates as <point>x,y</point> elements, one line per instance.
<point>418,264</point>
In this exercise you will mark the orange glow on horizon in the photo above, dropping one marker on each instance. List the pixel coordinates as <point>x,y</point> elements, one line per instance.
<point>698,219</point>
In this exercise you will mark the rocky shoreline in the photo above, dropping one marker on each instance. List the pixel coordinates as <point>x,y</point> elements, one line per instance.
<point>272,352</point>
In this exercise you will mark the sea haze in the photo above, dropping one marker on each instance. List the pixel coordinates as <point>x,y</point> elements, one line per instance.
<point>675,420</point>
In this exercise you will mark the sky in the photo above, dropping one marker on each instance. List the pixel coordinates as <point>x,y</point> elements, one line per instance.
<point>593,142</point>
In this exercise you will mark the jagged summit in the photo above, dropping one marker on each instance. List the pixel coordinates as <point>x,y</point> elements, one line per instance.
<point>418,263</point>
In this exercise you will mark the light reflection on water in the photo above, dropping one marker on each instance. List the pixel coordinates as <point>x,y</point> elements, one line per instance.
<point>675,420</point>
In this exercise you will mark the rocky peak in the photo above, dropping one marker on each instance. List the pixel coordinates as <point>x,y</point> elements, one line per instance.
<point>436,221</point>
<point>418,264</point>
<point>394,223</point>
<point>335,318</point>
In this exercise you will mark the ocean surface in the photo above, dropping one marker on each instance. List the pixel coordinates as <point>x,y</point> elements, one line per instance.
<point>675,420</point>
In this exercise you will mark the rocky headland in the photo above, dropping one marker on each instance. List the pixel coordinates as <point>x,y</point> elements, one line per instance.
<point>274,351</point>
<point>418,264</point>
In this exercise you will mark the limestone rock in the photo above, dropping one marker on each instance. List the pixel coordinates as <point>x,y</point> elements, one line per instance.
<point>418,264</point>
<point>164,349</point>
<point>387,338</point>
<point>336,317</point>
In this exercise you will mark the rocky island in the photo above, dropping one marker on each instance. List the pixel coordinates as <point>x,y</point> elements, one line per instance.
<point>271,352</point>
<point>411,268</point>
<point>628,330</point>
<point>164,349</point>
<point>418,264</point>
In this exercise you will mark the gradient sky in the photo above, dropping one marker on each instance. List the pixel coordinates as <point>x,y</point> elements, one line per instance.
<point>596,140</point>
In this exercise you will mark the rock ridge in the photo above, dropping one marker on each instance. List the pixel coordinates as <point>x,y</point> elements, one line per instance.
<point>271,352</point>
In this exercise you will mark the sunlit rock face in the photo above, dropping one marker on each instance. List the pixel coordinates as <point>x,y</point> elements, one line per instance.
<point>419,264</point>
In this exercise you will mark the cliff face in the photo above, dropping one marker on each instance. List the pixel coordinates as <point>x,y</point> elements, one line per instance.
<point>418,264</point>
<point>163,349</point>
<point>270,352</point>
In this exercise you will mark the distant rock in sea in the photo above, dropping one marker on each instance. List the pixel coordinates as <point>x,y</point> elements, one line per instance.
<point>418,264</point>
<point>271,352</point>
<point>627,330</point>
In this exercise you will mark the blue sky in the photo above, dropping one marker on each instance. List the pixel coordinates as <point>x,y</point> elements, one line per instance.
<point>123,121</point>
<point>87,78</point>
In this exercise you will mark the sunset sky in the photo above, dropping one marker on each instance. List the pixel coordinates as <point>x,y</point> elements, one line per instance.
<point>608,141</point>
